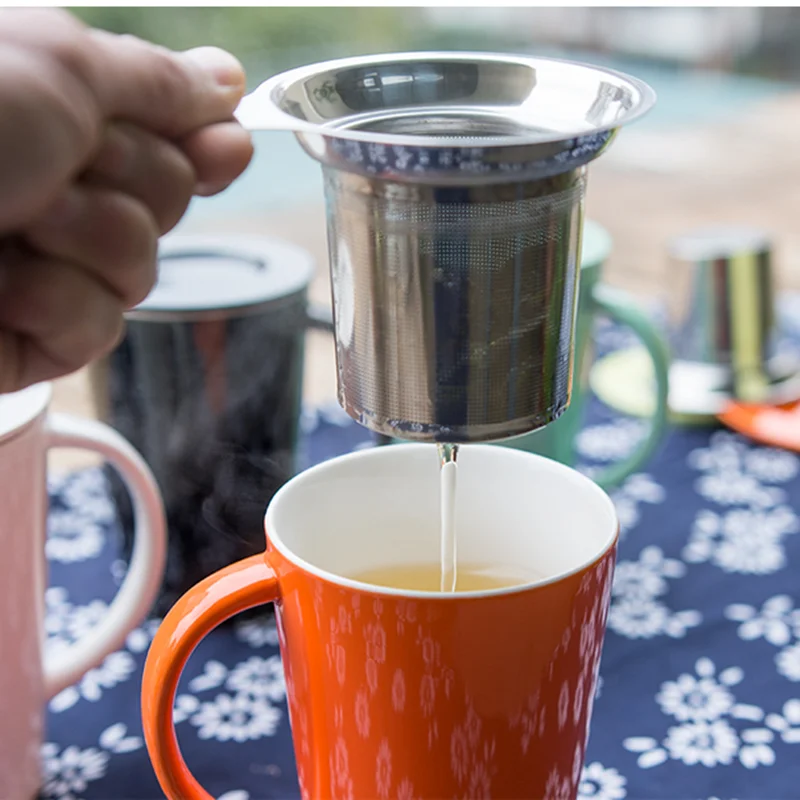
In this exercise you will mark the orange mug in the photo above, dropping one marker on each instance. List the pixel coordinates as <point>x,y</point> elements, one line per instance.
<point>417,694</point>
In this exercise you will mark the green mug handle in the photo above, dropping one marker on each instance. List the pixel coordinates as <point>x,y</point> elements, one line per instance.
<point>619,306</point>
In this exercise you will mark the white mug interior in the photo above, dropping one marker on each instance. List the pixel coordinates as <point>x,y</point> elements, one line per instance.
<point>380,507</point>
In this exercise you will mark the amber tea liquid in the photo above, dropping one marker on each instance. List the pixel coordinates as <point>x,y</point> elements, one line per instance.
<point>428,577</point>
<point>448,575</point>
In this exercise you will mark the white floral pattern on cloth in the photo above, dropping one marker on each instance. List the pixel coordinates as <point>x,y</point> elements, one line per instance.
<point>714,730</point>
<point>138,640</point>
<point>247,710</point>
<point>736,473</point>
<point>637,608</point>
<point>68,771</point>
<point>601,783</point>
<point>635,490</point>
<point>65,624</point>
<point>258,632</point>
<point>745,540</point>
<point>777,622</point>
<point>72,536</point>
<point>611,441</point>
<point>748,536</point>
<point>76,525</point>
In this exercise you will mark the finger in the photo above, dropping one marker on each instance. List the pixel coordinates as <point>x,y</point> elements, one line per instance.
<point>109,234</point>
<point>169,93</point>
<point>219,153</point>
<point>25,361</point>
<point>137,163</point>
<point>62,82</point>
<point>54,318</point>
<point>47,130</point>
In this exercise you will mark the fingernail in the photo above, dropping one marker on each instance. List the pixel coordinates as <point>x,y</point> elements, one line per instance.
<point>206,189</point>
<point>225,68</point>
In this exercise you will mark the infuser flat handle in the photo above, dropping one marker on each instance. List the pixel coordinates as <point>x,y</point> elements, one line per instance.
<point>256,112</point>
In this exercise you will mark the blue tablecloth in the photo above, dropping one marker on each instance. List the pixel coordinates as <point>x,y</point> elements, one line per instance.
<point>700,681</point>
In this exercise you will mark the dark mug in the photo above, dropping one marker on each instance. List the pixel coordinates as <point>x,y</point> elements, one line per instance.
<point>207,385</point>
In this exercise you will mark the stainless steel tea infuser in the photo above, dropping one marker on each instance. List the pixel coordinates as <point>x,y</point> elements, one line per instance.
<point>724,332</point>
<point>725,335</point>
<point>454,185</point>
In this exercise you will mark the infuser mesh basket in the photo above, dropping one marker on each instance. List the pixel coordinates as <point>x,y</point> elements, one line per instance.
<point>454,185</point>
<point>454,306</point>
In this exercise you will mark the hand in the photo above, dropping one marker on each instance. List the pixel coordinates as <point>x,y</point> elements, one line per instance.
<point>103,141</point>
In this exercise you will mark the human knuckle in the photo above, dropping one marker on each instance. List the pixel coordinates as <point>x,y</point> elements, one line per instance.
<point>174,168</point>
<point>67,70</point>
<point>35,89</point>
<point>107,332</point>
<point>11,361</point>
<point>72,49</point>
<point>59,17</point>
<point>134,217</point>
<point>41,25</point>
<point>169,84</point>
<point>36,299</point>
<point>94,333</point>
<point>184,172</point>
<point>179,181</point>
<point>139,244</point>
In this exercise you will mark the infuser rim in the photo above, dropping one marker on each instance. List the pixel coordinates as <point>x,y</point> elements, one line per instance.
<point>274,89</point>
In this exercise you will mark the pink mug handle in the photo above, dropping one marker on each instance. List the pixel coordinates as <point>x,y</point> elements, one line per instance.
<point>138,592</point>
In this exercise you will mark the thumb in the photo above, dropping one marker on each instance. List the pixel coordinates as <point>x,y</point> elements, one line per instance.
<point>168,93</point>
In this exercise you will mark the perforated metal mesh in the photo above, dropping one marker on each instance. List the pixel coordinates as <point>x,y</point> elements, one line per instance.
<point>454,306</point>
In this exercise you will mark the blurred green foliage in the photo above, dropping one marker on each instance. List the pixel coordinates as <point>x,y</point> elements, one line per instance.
<point>266,39</point>
<point>270,39</point>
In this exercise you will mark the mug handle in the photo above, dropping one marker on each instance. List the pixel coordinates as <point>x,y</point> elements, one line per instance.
<point>145,571</point>
<point>622,308</point>
<point>229,591</point>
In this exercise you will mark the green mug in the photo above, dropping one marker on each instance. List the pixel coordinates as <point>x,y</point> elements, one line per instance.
<point>557,440</point>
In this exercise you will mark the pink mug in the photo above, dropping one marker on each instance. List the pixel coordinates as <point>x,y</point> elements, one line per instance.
<point>27,678</point>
